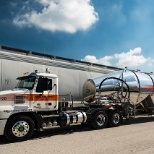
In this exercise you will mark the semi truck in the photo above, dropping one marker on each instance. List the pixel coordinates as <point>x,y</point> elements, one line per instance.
<point>36,105</point>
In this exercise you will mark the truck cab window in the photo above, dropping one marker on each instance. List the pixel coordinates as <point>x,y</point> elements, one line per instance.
<point>44,84</point>
<point>26,82</point>
<point>49,84</point>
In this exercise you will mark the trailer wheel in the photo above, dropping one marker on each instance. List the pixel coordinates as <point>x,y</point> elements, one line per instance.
<point>115,118</point>
<point>99,120</point>
<point>19,128</point>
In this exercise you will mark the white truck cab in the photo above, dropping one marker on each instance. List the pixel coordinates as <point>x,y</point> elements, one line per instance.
<point>34,92</point>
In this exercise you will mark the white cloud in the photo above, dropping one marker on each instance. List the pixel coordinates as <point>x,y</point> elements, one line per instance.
<point>90,58</point>
<point>132,59</point>
<point>104,61</point>
<point>60,15</point>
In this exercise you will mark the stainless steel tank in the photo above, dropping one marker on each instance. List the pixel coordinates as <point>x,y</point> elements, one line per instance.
<point>138,85</point>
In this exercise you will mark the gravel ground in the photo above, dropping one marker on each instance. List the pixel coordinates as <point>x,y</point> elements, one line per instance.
<point>135,137</point>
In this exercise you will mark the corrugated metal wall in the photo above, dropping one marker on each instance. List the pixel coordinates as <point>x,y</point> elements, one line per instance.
<point>71,75</point>
<point>70,81</point>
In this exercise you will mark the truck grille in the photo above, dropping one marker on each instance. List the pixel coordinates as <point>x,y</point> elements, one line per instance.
<point>19,99</point>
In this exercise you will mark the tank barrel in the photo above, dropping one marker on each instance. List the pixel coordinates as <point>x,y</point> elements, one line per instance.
<point>140,85</point>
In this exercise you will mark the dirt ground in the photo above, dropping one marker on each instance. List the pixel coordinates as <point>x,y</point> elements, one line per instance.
<point>133,137</point>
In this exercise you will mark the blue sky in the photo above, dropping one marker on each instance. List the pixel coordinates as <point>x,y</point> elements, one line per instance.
<point>111,32</point>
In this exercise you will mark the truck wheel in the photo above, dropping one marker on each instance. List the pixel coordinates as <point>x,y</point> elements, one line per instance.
<point>115,118</point>
<point>99,120</point>
<point>19,128</point>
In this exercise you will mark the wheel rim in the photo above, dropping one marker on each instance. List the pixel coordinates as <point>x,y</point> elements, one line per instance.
<point>100,120</point>
<point>116,118</point>
<point>20,129</point>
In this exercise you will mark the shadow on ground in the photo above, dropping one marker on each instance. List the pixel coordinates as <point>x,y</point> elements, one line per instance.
<point>79,128</point>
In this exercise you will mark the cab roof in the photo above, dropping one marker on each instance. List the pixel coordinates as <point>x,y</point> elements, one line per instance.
<point>48,75</point>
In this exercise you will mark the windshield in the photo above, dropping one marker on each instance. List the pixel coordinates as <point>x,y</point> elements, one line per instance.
<point>26,82</point>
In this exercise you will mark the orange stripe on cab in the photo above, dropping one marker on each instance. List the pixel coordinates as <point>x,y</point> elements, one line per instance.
<point>41,97</point>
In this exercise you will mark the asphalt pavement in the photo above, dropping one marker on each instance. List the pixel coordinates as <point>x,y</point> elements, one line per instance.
<point>132,137</point>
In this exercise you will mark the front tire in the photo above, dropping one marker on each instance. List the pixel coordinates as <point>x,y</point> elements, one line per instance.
<point>99,120</point>
<point>19,128</point>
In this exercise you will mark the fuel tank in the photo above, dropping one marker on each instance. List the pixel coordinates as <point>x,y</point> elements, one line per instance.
<point>139,85</point>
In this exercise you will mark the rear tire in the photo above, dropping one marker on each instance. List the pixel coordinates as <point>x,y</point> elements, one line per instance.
<point>99,120</point>
<point>115,118</point>
<point>19,128</point>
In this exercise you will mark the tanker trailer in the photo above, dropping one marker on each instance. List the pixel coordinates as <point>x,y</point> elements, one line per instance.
<point>126,86</point>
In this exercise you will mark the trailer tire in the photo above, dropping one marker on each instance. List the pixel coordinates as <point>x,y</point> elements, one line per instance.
<point>115,118</point>
<point>19,128</point>
<point>99,120</point>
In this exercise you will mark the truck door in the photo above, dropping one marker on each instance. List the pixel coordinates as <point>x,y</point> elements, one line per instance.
<point>46,96</point>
